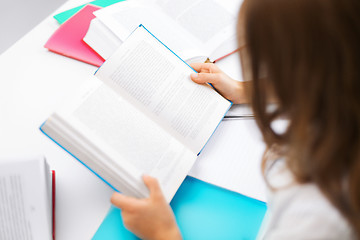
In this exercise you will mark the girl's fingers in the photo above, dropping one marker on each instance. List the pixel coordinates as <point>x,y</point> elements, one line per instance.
<point>205,78</point>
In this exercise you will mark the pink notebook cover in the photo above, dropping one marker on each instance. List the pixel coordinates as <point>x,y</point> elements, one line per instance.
<point>68,39</point>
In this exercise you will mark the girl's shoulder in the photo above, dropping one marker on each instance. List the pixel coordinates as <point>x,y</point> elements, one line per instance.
<point>301,211</point>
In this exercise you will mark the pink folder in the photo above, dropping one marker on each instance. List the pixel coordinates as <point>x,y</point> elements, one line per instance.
<point>68,39</point>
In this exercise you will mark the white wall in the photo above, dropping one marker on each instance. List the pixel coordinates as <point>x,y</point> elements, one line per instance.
<point>17,17</point>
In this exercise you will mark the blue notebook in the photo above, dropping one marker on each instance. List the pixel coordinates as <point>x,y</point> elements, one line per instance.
<point>203,211</point>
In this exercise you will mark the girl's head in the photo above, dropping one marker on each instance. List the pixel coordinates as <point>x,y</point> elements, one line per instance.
<point>309,53</point>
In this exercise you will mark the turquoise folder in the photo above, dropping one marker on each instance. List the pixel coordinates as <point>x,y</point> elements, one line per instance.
<point>63,16</point>
<point>202,211</point>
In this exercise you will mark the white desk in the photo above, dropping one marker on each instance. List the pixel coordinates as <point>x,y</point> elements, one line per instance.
<point>33,83</point>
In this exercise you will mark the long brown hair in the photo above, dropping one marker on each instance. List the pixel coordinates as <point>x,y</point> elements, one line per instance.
<point>310,52</point>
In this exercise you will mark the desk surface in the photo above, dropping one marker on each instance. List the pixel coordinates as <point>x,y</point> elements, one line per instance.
<point>33,83</point>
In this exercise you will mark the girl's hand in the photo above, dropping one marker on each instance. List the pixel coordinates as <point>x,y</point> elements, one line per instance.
<point>149,218</point>
<point>233,90</point>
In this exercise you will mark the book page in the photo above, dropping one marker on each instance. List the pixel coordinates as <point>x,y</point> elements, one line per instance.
<point>158,83</point>
<point>133,144</point>
<point>232,159</point>
<point>207,20</point>
<point>124,17</point>
<point>191,28</point>
<point>25,205</point>
<point>101,39</point>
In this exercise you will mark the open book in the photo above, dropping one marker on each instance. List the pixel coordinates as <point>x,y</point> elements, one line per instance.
<point>27,192</point>
<point>142,114</point>
<point>195,30</point>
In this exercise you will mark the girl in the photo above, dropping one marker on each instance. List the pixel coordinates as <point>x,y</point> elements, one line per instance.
<point>304,55</point>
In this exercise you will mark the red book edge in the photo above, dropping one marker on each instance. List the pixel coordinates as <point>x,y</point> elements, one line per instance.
<point>53,203</point>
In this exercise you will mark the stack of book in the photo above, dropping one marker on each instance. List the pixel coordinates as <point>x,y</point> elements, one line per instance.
<point>27,193</point>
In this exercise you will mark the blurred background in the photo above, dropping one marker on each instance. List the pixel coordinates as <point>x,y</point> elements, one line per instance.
<point>17,17</point>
